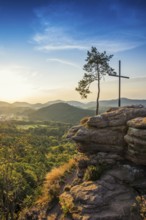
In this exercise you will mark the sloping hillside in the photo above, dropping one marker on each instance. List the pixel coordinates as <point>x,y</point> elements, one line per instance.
<point>61,112</point>
<point>4,104</point>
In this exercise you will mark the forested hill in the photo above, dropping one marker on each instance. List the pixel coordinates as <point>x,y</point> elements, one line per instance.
<point>62,112</point>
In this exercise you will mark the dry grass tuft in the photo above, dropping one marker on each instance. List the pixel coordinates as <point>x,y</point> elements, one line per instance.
<point>53,183</point>
<point>84,120</point>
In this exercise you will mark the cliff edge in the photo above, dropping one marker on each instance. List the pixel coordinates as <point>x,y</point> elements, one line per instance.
<point>111,178</point>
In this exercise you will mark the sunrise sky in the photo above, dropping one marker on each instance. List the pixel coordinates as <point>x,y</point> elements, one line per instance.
<point>43,47</point>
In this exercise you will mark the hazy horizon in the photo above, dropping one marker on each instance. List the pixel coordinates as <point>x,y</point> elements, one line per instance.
<point>43,47</point>
<point>82,101</point>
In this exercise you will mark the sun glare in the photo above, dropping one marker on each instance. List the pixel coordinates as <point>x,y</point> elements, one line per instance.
<point>14,84</point>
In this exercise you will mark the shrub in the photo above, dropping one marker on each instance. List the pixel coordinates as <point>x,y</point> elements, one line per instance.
<point>93,173</point>
<point>142,206</point>
<point>66,203</point>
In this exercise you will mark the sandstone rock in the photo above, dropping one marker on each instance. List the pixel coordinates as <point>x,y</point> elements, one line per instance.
<point>102,200</point>
<point>114,141</point>
<point>136,140</point>
<point>91,148</point>
<point>101,136</point>
<point>99,160</point>
<point>104,158</point>
<point>136,151</point>
<point>117,117</point>
<point>105,140</point>
<point>105,132</point>
<point>138,133</point>
<point>139,122</point>
<point>73,130</point>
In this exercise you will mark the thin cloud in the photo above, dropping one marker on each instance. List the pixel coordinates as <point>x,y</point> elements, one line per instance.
<point>63,62</point>
<point>48,48</point>
<point>60,32</point>
<point>58,39</point>
<point>109,46</point>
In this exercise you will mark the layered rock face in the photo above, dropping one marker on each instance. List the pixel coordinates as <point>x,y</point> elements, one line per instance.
<point>136,140</point>
<point>105,132</point>
<point>111,166</point>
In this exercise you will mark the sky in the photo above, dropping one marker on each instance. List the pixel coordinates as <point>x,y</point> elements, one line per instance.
<point>44,44</point>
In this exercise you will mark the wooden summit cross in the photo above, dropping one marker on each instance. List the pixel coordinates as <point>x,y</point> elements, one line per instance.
<point>119,101</point>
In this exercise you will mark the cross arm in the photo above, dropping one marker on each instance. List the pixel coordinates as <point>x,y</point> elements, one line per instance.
<point>120,76</point>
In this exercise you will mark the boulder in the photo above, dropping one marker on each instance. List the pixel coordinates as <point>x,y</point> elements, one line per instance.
<point>103,199</point>
<point>137,133</point>
<point>117,117</point>
<point>101,159</point>
<point>136,140</point>
<point>139,122</point>
<point>93,140</point>
<point>105,132</point>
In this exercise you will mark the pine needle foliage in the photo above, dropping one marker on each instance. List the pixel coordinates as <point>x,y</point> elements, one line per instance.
<point>96,67</point>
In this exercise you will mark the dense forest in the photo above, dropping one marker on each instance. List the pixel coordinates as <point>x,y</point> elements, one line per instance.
<point>28,150</point>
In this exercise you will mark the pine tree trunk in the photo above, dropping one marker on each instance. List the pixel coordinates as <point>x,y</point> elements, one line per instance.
<point>98,95</point>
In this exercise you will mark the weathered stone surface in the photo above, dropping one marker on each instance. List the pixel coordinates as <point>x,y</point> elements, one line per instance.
<point>139,122</point>
<point>138,133</point>
<point>95,140</point>
<point>113,147</point>
<point>117,117</point>
<point>73,130</point>
<point>104,199</point>
<point>136,140</point>
<point>105,132</point>
<point>101,136</point>
<point>92,148</point>
<point>136,151</point>
<point>98,159</point>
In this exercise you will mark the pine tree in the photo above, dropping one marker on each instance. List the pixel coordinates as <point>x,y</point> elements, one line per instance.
<point>96,67</point>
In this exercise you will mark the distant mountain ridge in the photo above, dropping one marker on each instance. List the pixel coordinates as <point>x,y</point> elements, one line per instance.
<point>124,102</point>
<point>61,112</point>
<point>92,104</point>
<point>58,110</point>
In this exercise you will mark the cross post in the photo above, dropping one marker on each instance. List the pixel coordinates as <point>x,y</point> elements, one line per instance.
<point>119,76</point>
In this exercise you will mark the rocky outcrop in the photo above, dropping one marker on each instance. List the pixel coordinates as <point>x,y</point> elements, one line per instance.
<point>105,132</point>
<point>136,140</point>
<point>117,117</point>
<point>106,198</point>
<point>111,166</point>
<point>105,139</point>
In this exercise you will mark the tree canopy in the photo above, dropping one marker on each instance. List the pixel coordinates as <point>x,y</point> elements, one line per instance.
<point>28,150</point>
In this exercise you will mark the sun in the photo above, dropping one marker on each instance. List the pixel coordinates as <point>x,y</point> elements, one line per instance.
<point>14,85</point>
